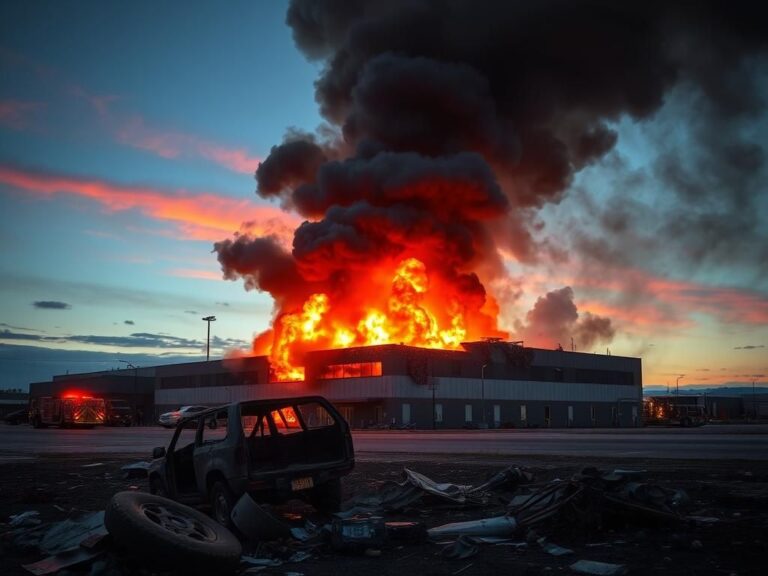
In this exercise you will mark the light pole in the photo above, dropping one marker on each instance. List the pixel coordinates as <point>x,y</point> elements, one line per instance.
<point>135,379</point>
<point>482,392</point>
<point>677,384</point>
<point>208,319</point>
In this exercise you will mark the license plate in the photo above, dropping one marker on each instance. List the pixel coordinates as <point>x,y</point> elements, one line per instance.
<point>302,483</point>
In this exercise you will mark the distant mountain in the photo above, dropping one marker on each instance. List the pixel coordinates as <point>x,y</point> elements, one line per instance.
<point>712,390</point>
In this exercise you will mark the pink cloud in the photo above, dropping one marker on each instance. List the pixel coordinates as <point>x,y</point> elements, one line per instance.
<point>667,302</point>
<point>171,144</point>
<point>16,114</point>
<point>197,216</point>
<point>195,273</point>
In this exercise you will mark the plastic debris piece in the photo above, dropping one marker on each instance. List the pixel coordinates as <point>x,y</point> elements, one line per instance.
<point>254,561</point>
<point>256,522</point>
<point>553,549</point>
<point>300,534</point>
<point>23,519</point>
<point>68,534</point>
<point>498,526</point>
<point>463,547</point>
<point>598,568</point>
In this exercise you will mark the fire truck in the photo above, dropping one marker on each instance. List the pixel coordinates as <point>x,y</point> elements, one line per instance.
<point>67,411</point>
<point>674,411</point>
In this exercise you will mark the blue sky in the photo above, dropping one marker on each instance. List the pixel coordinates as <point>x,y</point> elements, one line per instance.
<point>129,134</point>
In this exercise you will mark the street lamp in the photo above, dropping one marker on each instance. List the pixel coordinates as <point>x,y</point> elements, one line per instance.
<point>482,392</point>
<point>208,319</point>
<point>754,401</point>
<point>135,381</point>
<point>677,384</point>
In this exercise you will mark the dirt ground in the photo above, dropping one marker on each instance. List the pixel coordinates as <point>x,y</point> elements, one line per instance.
<point>733,492</point>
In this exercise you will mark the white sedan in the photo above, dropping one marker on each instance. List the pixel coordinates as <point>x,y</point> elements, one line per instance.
<point>170,419</point>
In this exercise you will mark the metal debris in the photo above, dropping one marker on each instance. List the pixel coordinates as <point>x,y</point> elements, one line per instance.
<point>498,526</point>
<point>256,522</point>
<point>598,568</point>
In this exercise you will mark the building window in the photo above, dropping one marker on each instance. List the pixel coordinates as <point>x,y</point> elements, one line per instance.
<point>351,370</point>
<point>523,415</point>
<point>438,412</point>
<point>467,412</point>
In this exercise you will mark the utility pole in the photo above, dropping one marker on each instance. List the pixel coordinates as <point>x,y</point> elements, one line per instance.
<point>208,319</point>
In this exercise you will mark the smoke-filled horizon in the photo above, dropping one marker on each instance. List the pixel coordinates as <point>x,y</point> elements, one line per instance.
<point>452,124</point>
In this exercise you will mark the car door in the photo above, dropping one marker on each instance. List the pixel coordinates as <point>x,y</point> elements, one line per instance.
<point>213,451</point>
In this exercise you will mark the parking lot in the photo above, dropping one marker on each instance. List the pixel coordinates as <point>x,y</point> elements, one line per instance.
<point>713,442</point>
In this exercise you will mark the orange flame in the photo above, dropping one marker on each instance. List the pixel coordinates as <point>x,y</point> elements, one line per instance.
<point>415,312</point>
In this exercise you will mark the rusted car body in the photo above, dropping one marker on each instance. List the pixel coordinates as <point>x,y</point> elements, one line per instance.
<point>273,449</point>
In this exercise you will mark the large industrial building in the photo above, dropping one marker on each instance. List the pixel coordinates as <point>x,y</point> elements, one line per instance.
<point>487,384</point>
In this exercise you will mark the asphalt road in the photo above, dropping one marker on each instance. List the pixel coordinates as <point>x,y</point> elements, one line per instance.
<point>706,443</point>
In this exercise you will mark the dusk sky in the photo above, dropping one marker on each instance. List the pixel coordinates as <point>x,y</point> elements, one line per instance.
<point>130,133</point>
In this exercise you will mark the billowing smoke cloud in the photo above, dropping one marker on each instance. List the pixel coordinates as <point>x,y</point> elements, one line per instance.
<point>554,320</point>
<point>456,120</point>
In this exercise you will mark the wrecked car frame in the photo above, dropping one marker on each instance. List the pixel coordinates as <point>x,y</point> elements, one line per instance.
<point>273,449</point>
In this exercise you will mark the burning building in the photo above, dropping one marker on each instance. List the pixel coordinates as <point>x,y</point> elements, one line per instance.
<point>488,383</point>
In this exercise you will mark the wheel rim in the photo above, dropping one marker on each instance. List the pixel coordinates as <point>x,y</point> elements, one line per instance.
<point>177,522</point>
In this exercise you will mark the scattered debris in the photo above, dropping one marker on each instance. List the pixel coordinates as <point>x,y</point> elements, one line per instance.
<point>358,532</point>
<point>552,548</point>
<point>463,547</point>
<point>28,518</point>
<point>598,568</point>
<point>498,526</point>
<point>256,522</point>
<point>136,470</point>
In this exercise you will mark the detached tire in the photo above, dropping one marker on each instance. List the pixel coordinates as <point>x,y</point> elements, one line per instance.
<point>327,497</point>
<point>174,536</point>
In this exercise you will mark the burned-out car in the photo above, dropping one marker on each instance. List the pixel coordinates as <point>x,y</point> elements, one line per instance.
<point>273,449</point>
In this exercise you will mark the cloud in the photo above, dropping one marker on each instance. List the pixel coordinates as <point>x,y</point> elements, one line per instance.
<point>749,347</point>
<point>135,340</point>
<point>51,305</point>
<point>128,322</point>
<point>194,312</point>
<point>647,300</point>
<point>197,216</point>
<point>555,319</point>
<point>18,115</point>
<point>134,132</point>
<point>195,273</point>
